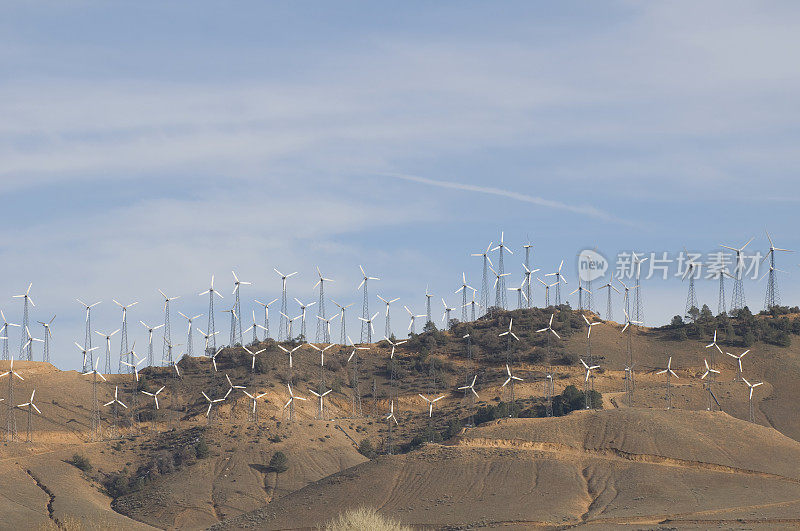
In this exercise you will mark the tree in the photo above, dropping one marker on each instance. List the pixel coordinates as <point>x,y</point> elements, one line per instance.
<point>278,464</point>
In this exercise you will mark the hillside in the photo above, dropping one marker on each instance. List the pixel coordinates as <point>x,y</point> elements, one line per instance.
<point>151,469</point>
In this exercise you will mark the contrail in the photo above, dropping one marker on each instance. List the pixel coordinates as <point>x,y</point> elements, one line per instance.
<point>578,209</point>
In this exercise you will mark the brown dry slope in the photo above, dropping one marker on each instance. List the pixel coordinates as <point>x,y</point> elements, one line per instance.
<point>602,468</point>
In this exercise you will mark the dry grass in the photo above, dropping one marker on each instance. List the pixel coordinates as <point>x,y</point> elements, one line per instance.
<point>71,523</point>
<point>364,518</point>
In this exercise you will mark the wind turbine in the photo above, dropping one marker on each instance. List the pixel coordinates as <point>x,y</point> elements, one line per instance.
<point>290,353</point>
<point>214,358</point>
<point>86,353</point>
<point>343,321</point>
<point>234,317</point>
<point>24,342</point>
<point>428,297</point>
<point>751,386</point>
<point>470,387</point>
<point>738,363</point>
<point>87,338</point>
<point>626,300</point>
<point>266,306</point>
<point>520,294</point>
<point>114,403</point>
<point>31,406</point>
<point>253,354</point>
<point>629,382</point>
<point>327,334</point>
<point>108,348</point>
<point>580,291</point>
<point>589,385</point>
<point>321,397</point>
<point>738,299</point>
<point>48,336</point>
<point>707,385</point>
<point>413,318</point>
<point>123,347</point>
<point>321,359</point>
<point>501,302</point>
<point>389,418</point>
<point>212,329</point>
<point>587,392</point>
<point>255,399</point>
<point>559,278</point>
<point>4,334</point>
<point>283,331</point>
<point>231,386</point>
<point>211,403</point>
<point>150,359</point>
<point>11,419</point>
<point>290,403</point>
<point>669,372</point>
<point>166,352</point>
<point>255,328</point>
<point>393,367</point>
<point>430,410</point>
<point>155,399</point>
<point>772,298</point>
<point>207,337</point>
<point>95,419</point>
<point>463,289</point>
<point>387,329</point>
<point>609,306</point>
<point>549,381</point>
<point>546,291</point>
<point>366,325</point>
<point>370,328</point>
<point>446,314</point>
<point>355,381</point>
<point>30,341</point>
<point>692,271</point>
<point>303,317</point>
<point>713,352</point>
<point>509,334</point>
<point>189,338</point>
<point>638,293</point>
<point>173,362</point>
<point>526,283</point>
<point>487,262</point>
<point>237,305</point>
<point>321,311</point>
<point>510,380</point>
<point>473,305</point>
<point>499,284</point>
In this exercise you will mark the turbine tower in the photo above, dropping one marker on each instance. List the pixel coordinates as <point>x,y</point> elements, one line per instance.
<point>321,396</point>
<point>473,305</point>
<point>412,321</point>
<point>189,338</point>
<point>4,334</point>
<point>580,290</point>
<point>752,386</point>
<point>11,419</point>
<point>707,385</point>
<point>25,346</point>
<point>520,295</point>
<point>549,383</point>
<point>266,316</point>
<point>389,418</point>
<point>211,329</point>
<point>738,300</point>
<point>669,373</point>
<point>237,305</point>
<point>527,284</point>
<point>502,288</point>
<point>609,306</point>
<point>587,387</point>
<point>283,330</point>
<point>124,351</point>
<point>463,289</point>
<point>166,353</point>
<point>387,329</point>
<point>772,298</point>
<point>428,316</point>
<point>255,326</point>
<point>487,262</point>
<point>322,333</point>
<point>343,321</point>
<point>87,337</point>
<point>48,336</point>
<point>355,380</point>
<point>446,315</point>
<point>499,288</point>
<point>630,383</point>
<point>303,308</point>
<point>370,327</point>
<point>150,357</point>
<point>94,429</point>
<point>255,399</point>
<point>638,293</point>
<point>692,270</point>
<point>31,406</point>
<point>557,283</point>
<point>290,403</point>
<point>366,324</point>
<point>108,347</point>
<point>327,325</point>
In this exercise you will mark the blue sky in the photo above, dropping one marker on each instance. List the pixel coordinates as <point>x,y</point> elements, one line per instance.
<point>146,146</point>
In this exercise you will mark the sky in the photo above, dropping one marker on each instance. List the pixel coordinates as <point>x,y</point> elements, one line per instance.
<point>147,146</point>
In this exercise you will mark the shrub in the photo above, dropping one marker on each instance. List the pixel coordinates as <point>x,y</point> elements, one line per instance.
<point>80,462</point>
<point>279,462</point>
<point>366,449</point>
<point>364,518</point>
<point>201,448</point>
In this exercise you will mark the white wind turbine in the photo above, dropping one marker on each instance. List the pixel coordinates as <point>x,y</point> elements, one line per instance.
<point>166,351</point>
<point>546,291</point>
<point>266,306</point>
<point>303,307</point>
<point>430,402</point>
<point>669,372</point>
<point>370,327</point>
<point>713,352</point>
<point>343,321</point>
<point>48,337</point>
<point>321,397</point>
<point>31,406</point>
<point>473,305</point>
<point>212,329</point>
<point>549,327</point>
<point>30,341</point>
<point>706,386</point>
<point>114,403</point>
<point>26,346</point>
<point>772,298</point>
<point>499,284</point>
<point>289,322</point>
<point>4,334</point>
<point>207,338</point>
<point>354,381</point>
<point>387,329</point>
<point>154,396</point>
<point>327,325</point>
<point>638,293</point>
<point>213,358</point>
<point>321,359</point>
<point>501,288</point>
<point>108,347</point>
<point>738,299</point>
<point>549,380</point>
<point>189,338</point>
<point>234,318</point>
<point>86,353</point>
<point>231,387</point>
<point>321,310</point>
<point>520,294</point>
<point>589,375</point>
<point>392,366</point>
<point>626,300</point>
<point>255,326</point>
<point>211,403</point>
<point>413,319</point>
<point>629,382</point>
<point>751,386</point>
<point>95,418</point>
<point>11,419</point>
<point>290,353</point>
<point>471,387</point>
<point>150,330</point>
<point>255,399</point>
<point>609,307</point>
<point>526,283</point>
<point>237,305</point>
<point>87,338</point>
<point>389,418</point>
<point>487,262</point>
<point>290,402</point>
<point>123,346</point>
<point>135,366</point>
<point>559,278</point>
<point>253,354</point>
<point>510,380</point>
<point>463,289</point>
<point>580,289</point>
<point>446,314</point>
<point>282,331</point>
<point>738,363</point>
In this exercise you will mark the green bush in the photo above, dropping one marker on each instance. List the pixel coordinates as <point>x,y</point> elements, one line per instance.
<point>80,462</point>
<point>201,448</point>
<point>366,449</point>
